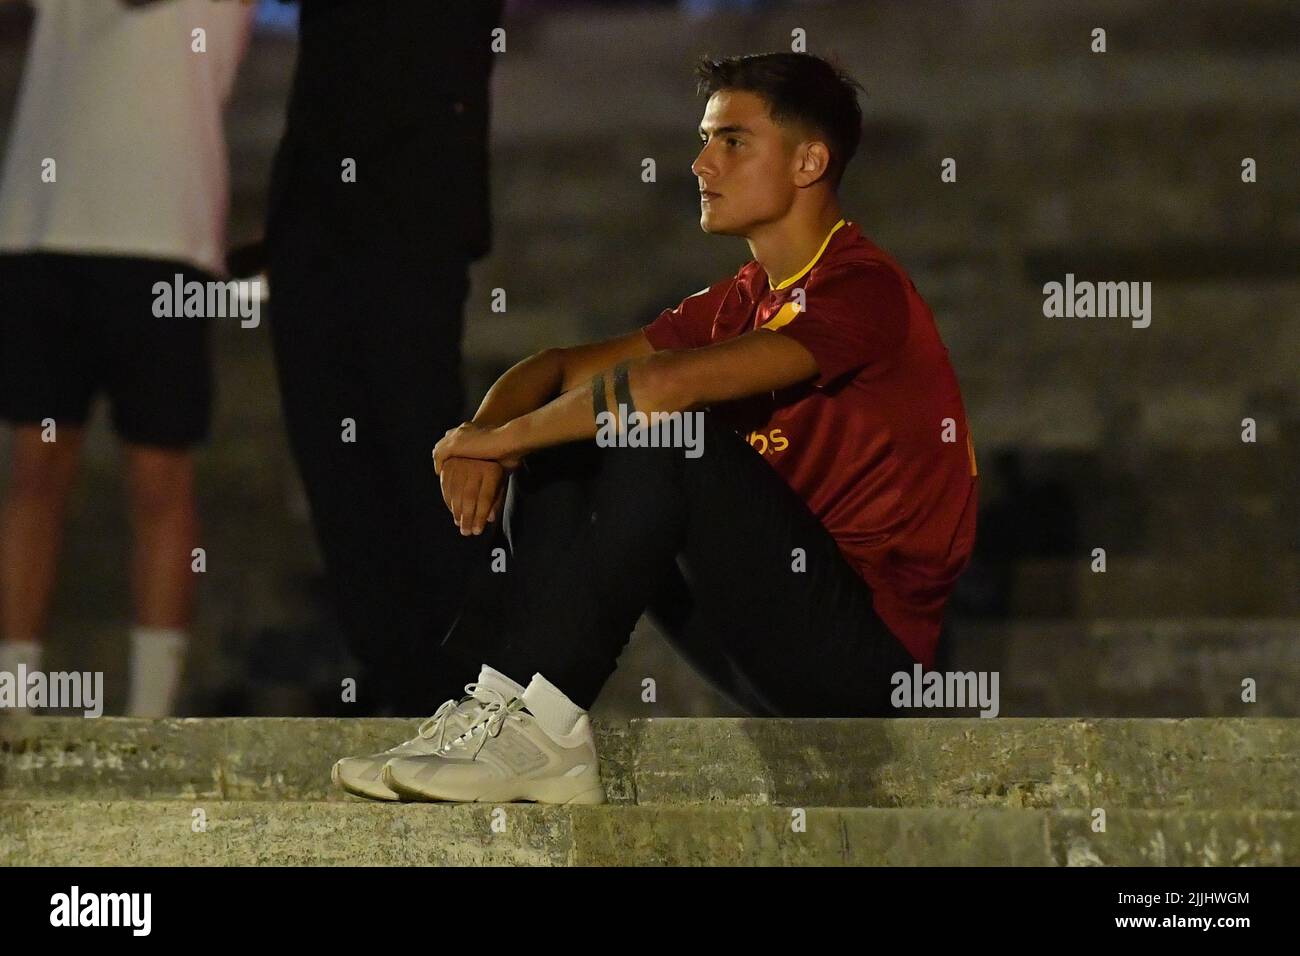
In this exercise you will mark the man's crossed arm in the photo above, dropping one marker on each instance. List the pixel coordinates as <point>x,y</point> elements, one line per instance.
<point>665,381</point>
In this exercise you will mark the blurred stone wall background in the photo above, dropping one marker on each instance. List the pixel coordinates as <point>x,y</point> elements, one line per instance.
<point>1089,433</point>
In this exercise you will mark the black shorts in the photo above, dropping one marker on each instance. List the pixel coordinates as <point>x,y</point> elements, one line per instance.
<point>73,325</point>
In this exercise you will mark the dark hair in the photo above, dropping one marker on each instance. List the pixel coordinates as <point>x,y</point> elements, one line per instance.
<point>800,88</point>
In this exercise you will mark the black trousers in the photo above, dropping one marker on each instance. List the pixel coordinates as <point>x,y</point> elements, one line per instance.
<point>593,537</point>
<point>376,342</point>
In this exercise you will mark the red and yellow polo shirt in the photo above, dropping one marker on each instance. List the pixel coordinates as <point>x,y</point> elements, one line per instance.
<point>877,443</point>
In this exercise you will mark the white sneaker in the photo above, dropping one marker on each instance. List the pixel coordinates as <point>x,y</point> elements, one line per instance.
<point>505,756</point>
<point>361,775</point>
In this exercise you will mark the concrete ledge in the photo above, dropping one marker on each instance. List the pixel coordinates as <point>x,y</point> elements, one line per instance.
<point>240,833</point>
<point>1177,838</point>
<point>1228,763</point>
<point>1139,668</point>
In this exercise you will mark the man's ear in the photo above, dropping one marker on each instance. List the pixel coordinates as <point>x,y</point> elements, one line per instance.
<point>814,162</point>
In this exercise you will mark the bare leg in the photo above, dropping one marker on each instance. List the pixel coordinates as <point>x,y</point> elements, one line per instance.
<point>165,524</point>
<point>31,528</point>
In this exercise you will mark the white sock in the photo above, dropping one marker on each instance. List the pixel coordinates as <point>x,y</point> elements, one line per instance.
<point>499,682</point>
<point>157,659</point>
<point>13,653</point>
<point>555,712</point>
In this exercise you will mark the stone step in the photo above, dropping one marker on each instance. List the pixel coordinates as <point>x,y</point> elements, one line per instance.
<point>938,68</point>
<point>189,833</point>
<point>904,762</point>
<point>1089,151</point>
<point>1205,585</point>
<point>1136,668</point>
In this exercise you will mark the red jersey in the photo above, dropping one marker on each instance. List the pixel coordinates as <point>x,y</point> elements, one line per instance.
<point>877,444</point>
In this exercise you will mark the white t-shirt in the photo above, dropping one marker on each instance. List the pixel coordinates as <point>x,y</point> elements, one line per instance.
<point>130,114</point>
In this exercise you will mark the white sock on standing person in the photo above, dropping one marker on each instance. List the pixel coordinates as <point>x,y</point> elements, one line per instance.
<point>157,660</point>
<point>13,653</point>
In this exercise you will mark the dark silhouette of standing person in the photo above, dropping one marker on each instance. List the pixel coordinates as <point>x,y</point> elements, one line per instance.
<point>378,205</point>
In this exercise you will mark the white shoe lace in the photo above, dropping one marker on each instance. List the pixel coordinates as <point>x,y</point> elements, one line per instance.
<point>436,725</point>
<point>490,720</point>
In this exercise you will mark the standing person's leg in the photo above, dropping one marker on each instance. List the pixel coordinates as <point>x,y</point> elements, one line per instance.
<point>31,536</point>
<point>165,528</point>
<point>338,436</point>
<point>593,536</point>
<point>159,379</point>
<point>332,438</point>
<point>412,356</point>
<point>48,375</point>
<point>164,516</point>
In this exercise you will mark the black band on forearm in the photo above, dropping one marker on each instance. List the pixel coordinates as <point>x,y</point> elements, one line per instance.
<point>598,401</point>
<point>622,390</point>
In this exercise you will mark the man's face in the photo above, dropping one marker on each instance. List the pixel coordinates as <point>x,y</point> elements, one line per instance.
<point>747,160</point>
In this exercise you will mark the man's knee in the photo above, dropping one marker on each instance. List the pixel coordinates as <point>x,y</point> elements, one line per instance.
<point>43,470</point>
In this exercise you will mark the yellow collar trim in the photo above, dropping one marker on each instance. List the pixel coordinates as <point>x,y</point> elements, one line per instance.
<point>804,271</point>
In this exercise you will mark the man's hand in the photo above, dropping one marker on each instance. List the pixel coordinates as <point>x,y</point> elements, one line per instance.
<point>468,440</point>
<point>474,491</point>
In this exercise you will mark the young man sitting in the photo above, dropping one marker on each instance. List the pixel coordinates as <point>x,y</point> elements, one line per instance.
<point>799,561</point>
